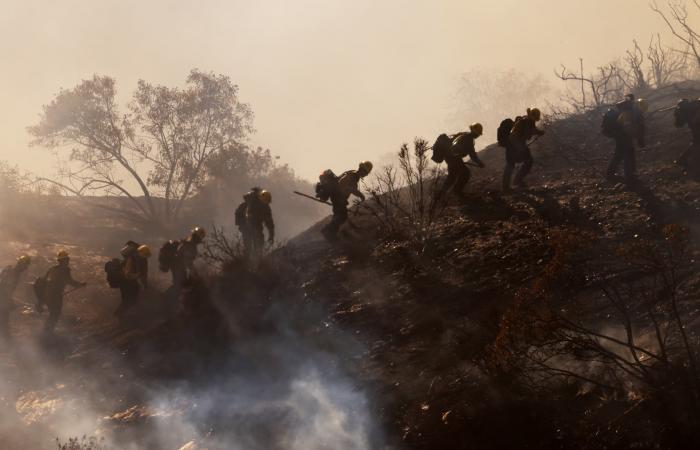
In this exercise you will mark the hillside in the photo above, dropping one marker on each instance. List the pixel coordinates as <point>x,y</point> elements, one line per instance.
<point>373,342</point>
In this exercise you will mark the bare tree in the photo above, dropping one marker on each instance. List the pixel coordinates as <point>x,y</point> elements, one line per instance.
<point>158,149</point>
<point>636,72</point>
<point>632,73</point>
<point>603,85</point>
<point>665,64</point>
<point>405,200</point>
<point>677,18</point>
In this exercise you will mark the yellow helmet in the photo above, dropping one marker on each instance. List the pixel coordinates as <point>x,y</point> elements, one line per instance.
<point>643,105</point>
<point>265,196</point>
<point>534,114</point>
<point>61,255</point>
<point>24,260</point>
<point>476,129</point>
<point>144,251</point>
<point>366,166</point>
<point>199,233</point>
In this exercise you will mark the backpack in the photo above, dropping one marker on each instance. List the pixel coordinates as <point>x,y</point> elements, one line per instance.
<point>115,275</point>
<point>503,132</point>
<point>167,255</point>
<point>441,148</point>
<point>327,183</point>
<point>610,127</point>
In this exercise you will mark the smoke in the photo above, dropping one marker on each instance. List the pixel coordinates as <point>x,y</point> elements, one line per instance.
<point>286,385</point>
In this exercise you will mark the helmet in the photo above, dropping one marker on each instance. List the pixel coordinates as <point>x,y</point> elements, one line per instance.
<point>534,114</point>
<point>477,129</point>
<point>144,251</point>
<point>643,105</point>
<point>265,196</point>
<point>24,260</point>
<point>199,232</point>
<point>61,255</point>
<point>366,166</point>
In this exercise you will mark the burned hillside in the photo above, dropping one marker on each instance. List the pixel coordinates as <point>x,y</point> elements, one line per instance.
<point>558,316</point>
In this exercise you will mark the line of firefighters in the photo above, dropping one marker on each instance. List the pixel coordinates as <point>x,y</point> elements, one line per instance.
<point>624,123</point>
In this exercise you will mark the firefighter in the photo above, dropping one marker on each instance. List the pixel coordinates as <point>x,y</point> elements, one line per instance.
<point>524,129</point>
<point>9,279</point>
<point>57,278</point>
<point>251,216</point>
<point>182,266</point>
<point>631,129</point>
<point>347,184</point>
<point>134,275</point>
<point>458,174</point>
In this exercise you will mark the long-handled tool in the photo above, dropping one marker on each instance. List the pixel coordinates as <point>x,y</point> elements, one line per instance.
<point>349,222</point>
<point>313,198</point>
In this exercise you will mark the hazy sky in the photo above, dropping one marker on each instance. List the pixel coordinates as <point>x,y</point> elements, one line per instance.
<point>331,82</point>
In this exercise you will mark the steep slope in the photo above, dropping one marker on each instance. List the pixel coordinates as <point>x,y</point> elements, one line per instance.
<point>426,318</point>
<point>370,343</point>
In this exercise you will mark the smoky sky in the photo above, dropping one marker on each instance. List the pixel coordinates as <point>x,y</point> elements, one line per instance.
<point>331,82</point>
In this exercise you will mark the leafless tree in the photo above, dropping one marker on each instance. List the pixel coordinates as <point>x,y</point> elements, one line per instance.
<point>632,73</point>
<point>636,72</point>
<point>665,64</point>
<point>678,19</point>
<point>405,200</point>
<point>603,85</point>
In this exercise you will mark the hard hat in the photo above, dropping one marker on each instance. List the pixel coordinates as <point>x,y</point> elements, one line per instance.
<point>477,129</point>
<point>534,114</point>
<point>265,196</point>
<point>366,166</point>
<point>62,255</point>
<point>199,232</point>
<point>144,251</point>
<point>643,105</point>
<point>24,259</point>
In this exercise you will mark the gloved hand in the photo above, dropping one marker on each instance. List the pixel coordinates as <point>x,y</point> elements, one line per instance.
<point>362,197</point>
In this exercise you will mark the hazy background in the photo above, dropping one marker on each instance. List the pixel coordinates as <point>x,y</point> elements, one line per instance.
<point>331,82</point>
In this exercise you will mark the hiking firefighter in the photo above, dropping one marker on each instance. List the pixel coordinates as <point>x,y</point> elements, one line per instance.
<point>9,279</point>
<point>251,215</point>
<point>57,278</point>
<point>518,148</point>
<point>134,275</point>
<point>338,190</point>
<point>630,128</point>
<point>688,113</point>
<point>182,266</point>
<point>458,174</point>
